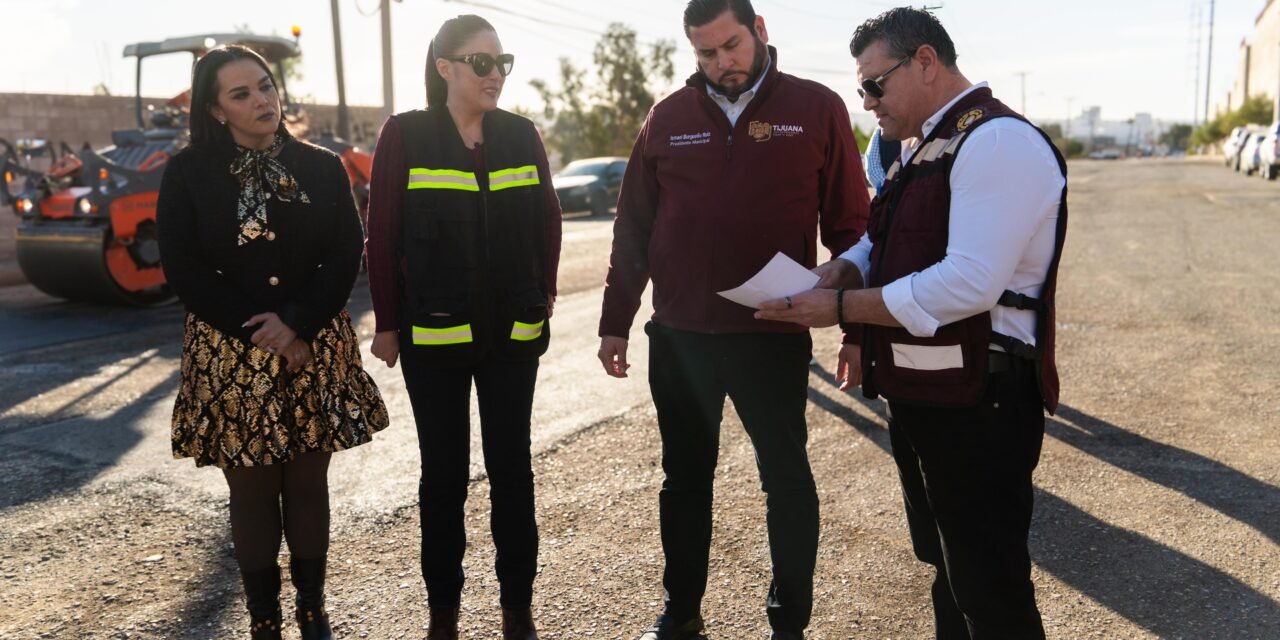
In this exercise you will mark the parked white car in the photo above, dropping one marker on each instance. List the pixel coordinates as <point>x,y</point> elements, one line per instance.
<point>1269,153</point>
<point>1232,145</point>
<point>1249,159</point>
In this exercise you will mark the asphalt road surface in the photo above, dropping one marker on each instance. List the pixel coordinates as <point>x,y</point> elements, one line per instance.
<point>1158,512</point>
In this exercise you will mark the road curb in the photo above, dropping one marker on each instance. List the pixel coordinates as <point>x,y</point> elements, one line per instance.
<point>11,274</point>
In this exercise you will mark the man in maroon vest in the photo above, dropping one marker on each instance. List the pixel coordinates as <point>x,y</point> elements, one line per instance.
<point>954,284</point>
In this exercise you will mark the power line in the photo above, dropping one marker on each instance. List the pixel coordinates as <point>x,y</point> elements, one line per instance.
<point>503,10</point>
<point>574,11</point>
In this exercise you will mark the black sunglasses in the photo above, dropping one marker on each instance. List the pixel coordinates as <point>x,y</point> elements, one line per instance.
<point>873,87</point>
<point>483,63</point>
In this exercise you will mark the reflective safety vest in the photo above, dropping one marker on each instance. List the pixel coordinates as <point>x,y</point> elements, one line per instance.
<point>473,241</point>
<point>909,231</point>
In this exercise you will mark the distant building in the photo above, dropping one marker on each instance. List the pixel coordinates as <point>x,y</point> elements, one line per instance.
<point>1095,133</point>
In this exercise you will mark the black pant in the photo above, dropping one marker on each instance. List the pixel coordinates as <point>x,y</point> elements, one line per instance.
<point>441,399</point>
<point>966,480</point>
<point>767,377</point>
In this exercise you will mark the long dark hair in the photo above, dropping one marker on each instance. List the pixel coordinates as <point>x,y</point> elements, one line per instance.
<point>448,40</point>
<point>206,131</point>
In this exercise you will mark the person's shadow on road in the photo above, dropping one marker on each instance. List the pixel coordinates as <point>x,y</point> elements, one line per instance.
<point>1157,587</point>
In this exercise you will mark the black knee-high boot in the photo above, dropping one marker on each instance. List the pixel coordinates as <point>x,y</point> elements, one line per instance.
<point>307,575</point>
<point>262,596</point>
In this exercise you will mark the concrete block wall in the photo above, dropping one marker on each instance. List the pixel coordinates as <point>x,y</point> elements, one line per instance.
<point>70,118</point>
<point>78,119</point>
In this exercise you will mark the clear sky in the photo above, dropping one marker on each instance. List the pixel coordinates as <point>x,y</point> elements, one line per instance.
<point>1125,56</point>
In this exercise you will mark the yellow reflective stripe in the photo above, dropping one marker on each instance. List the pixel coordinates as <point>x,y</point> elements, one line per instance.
<point>525,332</point>
<point>437,337</point>
<point>518,177</point>
<point>442,179</point>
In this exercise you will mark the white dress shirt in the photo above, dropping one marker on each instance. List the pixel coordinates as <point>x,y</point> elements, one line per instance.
<point>735,108</point>
<point>1005,189</point>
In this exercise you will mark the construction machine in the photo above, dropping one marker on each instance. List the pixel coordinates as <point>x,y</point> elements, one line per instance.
<point>88,220</point>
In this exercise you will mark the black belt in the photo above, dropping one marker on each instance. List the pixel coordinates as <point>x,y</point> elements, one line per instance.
<point>1001,361</point>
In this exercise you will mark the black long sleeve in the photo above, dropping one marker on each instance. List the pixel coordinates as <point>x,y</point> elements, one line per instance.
<point>201,288</point>
<point>327,292</point>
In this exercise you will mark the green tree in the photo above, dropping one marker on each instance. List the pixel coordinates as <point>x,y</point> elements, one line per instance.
<point>1177,137</point>
<point>1066,146</point>
<point>861,138</point>
<point>1255,110</point>
<point>602,118</point>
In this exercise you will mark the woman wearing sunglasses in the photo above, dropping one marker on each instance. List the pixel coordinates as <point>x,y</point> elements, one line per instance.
<point>464,242</point>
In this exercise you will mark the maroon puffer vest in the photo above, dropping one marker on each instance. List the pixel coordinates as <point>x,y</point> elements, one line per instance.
<point>909,232</point>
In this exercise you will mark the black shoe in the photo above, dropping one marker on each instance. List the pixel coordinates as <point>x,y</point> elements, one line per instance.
<point>517,624</point>
<point>262,597</point>
<point>442,623</point>
<point>307,575</point>
<point>666,628</point>
<point>786,635</point>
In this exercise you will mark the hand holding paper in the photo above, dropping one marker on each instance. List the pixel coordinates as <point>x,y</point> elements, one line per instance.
<point>780,278</point>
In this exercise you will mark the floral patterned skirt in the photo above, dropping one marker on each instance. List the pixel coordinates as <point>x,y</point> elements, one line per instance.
<point>238,406</point>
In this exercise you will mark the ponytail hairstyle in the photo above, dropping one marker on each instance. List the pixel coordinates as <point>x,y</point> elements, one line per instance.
<point>206,131</point>
<point>448,40</point>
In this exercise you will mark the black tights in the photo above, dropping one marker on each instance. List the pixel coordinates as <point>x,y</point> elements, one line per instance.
<point>257,493</point>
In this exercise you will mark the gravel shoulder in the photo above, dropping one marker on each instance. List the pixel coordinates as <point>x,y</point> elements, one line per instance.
<point>1157,490</point>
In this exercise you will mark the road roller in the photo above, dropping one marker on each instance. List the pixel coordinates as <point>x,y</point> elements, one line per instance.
<point>88,219</point>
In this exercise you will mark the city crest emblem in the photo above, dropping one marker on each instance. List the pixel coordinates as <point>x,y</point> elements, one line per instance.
<point>968,119</point>
<point>760,131</point>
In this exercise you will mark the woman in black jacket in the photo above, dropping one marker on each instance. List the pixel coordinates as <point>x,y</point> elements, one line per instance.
<point>260,239</point>
<point>464,240</point>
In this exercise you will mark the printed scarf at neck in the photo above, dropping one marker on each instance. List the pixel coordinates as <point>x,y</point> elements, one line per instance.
<point>261,176</point>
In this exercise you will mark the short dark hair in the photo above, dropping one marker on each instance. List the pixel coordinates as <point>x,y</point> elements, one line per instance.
<point>452,34</point>
<point>904,30</point>
<point>205,130</point>
<point>700,12</point>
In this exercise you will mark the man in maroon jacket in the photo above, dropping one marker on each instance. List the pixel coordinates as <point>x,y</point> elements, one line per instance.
<point>742,163</point>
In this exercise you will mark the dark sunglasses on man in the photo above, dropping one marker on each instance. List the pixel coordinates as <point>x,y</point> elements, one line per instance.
<point>873,87</point>
<point>483,63</point>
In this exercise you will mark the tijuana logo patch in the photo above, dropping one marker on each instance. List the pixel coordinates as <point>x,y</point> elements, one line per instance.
<point>764,131</point>
<point>760,131</point>
<point>968,119</point>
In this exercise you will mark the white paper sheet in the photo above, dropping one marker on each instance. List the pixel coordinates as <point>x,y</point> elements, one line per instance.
<point>780,278</point>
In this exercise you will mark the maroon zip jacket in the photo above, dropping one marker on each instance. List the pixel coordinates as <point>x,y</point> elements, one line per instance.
<point>704,205</point>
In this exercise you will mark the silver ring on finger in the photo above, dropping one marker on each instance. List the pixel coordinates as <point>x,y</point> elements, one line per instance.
<point>788,299</point>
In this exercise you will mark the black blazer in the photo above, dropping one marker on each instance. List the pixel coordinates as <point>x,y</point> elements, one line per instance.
<point>303,269</point>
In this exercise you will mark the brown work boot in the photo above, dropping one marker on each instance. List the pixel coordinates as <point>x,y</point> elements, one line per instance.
<point>517,624</point>
<point>443,624</point>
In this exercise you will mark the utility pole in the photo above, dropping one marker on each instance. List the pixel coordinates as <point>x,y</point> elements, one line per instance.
<point>1208,67</point>
<point>1067,126</point>
<point>1023,76</point>
<point>344,126</point>
<point>1195,93</point>
<point>388,91</point>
